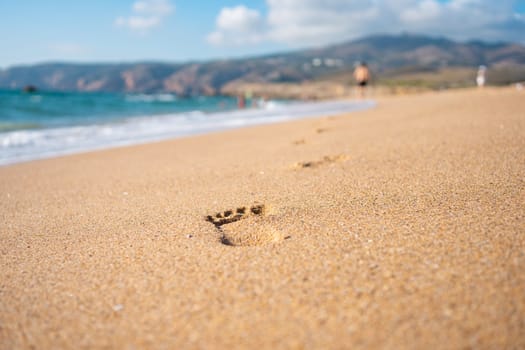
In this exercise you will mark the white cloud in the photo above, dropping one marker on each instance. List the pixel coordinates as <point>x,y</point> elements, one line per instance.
<point>317,22</point>
<point>238,25</point>
<point>147,14</point>
<point>426,10</point>
<point>313,21</point>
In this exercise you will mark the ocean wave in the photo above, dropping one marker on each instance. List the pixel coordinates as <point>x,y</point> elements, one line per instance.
<point>151,98</point>
<point>23,145</point>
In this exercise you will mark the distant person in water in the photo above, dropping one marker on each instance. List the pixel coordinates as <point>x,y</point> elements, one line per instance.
<point>480,78</point>
<point>241,101</point>
<point>362,76</point>
<point>30,88</point>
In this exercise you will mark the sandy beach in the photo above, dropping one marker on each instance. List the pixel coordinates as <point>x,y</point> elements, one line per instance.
<point>402,226</point>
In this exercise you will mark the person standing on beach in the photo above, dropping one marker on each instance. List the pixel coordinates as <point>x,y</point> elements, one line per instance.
<point>480,79</point>
<point>362,75</point>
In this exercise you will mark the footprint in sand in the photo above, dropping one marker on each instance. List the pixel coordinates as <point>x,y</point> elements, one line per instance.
<point>326,160</point>
<point>246,226</point>
<point>303,141</point>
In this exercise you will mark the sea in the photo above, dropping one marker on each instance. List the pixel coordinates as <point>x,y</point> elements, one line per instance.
<point>49,124</point>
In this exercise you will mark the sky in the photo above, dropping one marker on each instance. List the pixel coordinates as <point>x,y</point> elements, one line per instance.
<point>34,31</point>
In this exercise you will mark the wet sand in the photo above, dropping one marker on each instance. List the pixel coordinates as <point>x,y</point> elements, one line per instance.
<point>397,227</point>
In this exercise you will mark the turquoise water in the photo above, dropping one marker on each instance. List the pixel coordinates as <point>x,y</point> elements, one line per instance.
<point>49,124</point>
<point>23,111</point>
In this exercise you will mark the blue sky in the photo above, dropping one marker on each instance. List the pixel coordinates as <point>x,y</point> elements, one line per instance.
<point>180,30</point>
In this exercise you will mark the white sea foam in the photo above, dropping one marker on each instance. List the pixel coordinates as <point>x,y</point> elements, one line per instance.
<point>20,146</point>
<point>151,98</point>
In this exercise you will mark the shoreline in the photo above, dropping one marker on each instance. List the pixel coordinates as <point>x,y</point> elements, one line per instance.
<point>47,143</point>
<point>395,227</point>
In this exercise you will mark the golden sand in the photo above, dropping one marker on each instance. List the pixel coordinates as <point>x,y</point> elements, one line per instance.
<point>397,227</point>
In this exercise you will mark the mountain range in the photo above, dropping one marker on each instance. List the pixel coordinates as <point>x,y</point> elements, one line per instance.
<point>387,55</point>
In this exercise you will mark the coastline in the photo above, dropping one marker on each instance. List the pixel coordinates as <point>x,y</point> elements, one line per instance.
<point>48,142</point>
<point>399,226</point>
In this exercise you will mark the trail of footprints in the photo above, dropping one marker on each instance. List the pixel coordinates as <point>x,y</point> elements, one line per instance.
<point>326,160</point>
<point>246,226</point>
<point>252,225</point>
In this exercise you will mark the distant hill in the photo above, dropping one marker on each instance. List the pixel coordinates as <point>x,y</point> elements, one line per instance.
<point>388,56</point>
